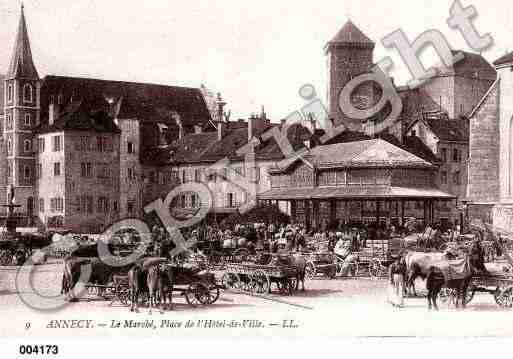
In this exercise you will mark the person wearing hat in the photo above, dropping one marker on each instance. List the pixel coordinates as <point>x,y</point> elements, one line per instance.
<point>397,273</point>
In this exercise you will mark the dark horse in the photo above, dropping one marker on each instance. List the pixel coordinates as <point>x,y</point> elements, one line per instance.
<point>436,280</point>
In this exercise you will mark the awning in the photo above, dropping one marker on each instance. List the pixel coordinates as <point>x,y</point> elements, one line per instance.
<point>355,192</point>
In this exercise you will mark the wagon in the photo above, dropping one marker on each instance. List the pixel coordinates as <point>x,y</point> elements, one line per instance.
<point>500,286</point>
<point>219,256</point>
<point>321,263</point>
<point>258,278</point>
<point>12,253</point>
<point>197,288</point>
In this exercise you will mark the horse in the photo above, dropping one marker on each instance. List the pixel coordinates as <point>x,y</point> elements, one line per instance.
<point>136,285</point>
<point>418,264</point>
<point>101,273</point>
<point>294,260</point>
<point>437,279</point>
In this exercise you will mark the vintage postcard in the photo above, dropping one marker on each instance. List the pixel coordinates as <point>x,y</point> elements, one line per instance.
<point>255,169</point>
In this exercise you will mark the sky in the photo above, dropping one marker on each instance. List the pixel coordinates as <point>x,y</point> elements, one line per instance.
<point>254,52</point>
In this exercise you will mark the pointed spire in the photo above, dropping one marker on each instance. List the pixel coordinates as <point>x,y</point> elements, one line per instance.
<point>350,34</point>
<point>22,64</point>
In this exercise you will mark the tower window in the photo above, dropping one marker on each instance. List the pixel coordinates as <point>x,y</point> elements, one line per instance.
<point>26,172</point>
<point>28,119</point>
<point>56,143</point>
<point>57,169</point>
<point>9,147</point>
<point>28,93</point>
<point>27,145</point>
<point>41,144</point>
<point>10,93</point>
<point>8,122</point>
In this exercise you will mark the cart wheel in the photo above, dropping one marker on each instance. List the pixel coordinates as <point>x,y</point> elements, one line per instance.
<point>292,285</point>
<point>504,298</point>
<point>310,271</point>
<point>5,258</point>
<point>470,294</point>
<point>375,268</point>
<point>197,294</point>
<point>123,294</point>
<point>241,254</point>
<point>446,295</point>
<point>214,293</point>
<point>230,280</point>
<point>331,272</point>
<point>260,282</point>
<point>93,291</point>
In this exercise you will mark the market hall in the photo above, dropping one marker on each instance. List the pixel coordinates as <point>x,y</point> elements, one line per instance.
<point>358,182</point>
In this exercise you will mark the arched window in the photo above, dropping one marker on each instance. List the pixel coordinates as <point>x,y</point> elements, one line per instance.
<point>8,122</point>
<point>9,147</point>
<point>27,145</point>
<point>28,119</point>
<point>10,93</point>
<point>26,172</point>
<point>28,93</point>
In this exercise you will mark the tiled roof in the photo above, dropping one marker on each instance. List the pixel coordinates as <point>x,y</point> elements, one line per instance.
<point>470,66</point>
<point>21,64</point>
<point>351,34</point>
<point>506,59</point>
<point>79,116</point>
<point>368,153</point>
<point>353,192</point>
<point>147,102</point>
<point>448,130</point>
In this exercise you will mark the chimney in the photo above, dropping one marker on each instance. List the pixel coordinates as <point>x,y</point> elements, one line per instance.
<point>250,128</point>
<point>53,113</point>
<point>221,130</point>
<point>178,120</point>
<point>313,125</point>
<point>220,107</point>
<point>197,129</point>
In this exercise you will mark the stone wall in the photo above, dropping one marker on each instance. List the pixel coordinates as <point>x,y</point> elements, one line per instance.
<point>345,63</point>
<point>484,150</point>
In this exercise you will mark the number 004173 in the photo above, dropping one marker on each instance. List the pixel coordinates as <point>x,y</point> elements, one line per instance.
<point>39,349</point>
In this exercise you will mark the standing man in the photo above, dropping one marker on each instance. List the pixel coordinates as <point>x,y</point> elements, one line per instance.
<point>397,272</point>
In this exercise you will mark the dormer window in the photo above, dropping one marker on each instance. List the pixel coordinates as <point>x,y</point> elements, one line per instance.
<point>28,93</point>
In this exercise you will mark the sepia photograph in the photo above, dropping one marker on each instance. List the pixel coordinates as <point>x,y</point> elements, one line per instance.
<point>268,169</point>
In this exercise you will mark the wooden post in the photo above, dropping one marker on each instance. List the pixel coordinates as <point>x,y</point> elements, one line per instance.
<point>402,212</point>
<point>293,210</point>
<point>333,211</point>
<point>378,204</point>
<point>307,214</point>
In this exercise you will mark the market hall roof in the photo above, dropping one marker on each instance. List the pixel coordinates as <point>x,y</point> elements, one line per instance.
<point>355,192</point>
<point>360,154</point>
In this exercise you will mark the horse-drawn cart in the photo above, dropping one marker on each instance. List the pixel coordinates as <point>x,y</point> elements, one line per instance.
<point>198,288</point>
<point>258,278</point>
<point>500,286</point>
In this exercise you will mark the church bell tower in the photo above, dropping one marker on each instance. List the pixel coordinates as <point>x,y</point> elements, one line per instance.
<point>22,89</point>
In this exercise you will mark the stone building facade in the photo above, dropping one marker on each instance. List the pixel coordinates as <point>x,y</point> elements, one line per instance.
<point>490,189</point>
<point>81,152</point>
